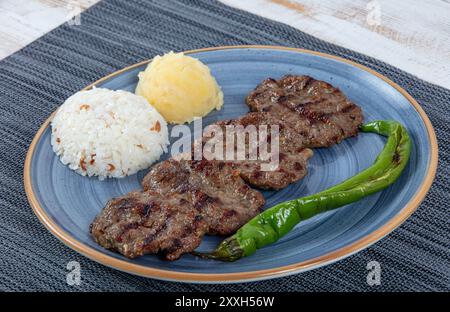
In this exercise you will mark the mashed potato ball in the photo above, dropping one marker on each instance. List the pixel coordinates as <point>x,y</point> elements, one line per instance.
<point>180,87</point>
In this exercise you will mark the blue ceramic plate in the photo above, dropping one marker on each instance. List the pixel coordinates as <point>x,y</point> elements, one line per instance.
<point>67,202</point>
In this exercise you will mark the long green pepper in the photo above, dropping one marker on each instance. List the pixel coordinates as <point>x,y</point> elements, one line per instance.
<point>272,224</point>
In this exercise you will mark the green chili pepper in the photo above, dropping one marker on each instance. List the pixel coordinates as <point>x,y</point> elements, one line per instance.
<point>272,224</point>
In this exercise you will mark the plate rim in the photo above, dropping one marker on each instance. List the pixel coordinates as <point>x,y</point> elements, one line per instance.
<point>248,276</point>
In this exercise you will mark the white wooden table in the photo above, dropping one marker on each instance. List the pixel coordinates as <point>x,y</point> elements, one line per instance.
<point>409,34</point>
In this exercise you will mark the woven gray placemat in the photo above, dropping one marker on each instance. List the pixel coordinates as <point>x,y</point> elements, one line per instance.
<point>114,34</point>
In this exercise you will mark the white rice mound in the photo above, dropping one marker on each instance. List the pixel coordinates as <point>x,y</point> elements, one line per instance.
<point>108,133</point>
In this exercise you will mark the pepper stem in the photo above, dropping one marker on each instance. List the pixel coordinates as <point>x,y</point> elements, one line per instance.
<point>228,250</point>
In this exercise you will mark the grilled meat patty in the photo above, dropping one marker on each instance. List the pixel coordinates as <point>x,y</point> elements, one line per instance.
<point>225,200</point>
<point>313,112</point>
<point>292,158</point>
<point>149,222</point>
<point>183,200</point>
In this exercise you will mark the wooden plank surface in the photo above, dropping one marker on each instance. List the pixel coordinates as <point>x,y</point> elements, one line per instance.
<point>410,35</point>
<point>23,21</point>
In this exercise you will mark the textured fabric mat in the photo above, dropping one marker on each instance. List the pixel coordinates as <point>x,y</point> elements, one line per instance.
<point>114,34</point>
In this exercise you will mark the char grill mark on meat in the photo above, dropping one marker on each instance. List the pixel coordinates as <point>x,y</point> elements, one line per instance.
<point>184,200</point>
